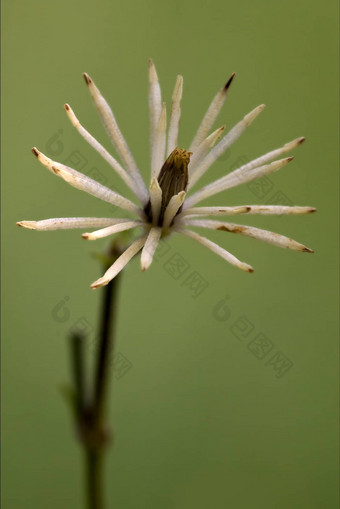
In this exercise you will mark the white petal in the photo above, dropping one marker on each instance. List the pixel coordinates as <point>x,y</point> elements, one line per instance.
<point>120,263</point>
<point>215,248</point>
<point>235,179</point>
<point>103,152</point>
<point>214,211</point>
<point>225,143</point>
<point>175,115</point>
<point>250,231</point>
<point>150,247</point>
<point>155,199</point>
<point>271,155</point>
<point>68,223</point>
<point>277,210</point>
<point>201,151</point>
<point>260,161</point>
<point>211,115</point>
<point>172,208</point>
<point>110,230</point>
<point>252,165</point>
<point>116,135</point>
<point>247,209</point>
<point>158,147</point>
<point>155,102</point>
<point>84,183</point>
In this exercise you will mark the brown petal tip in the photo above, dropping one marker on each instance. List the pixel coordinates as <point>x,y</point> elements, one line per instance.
<point>67,107</point>
<point>87,78</point>
<point>301,140</point>
<point>227,85</point>
<point>35,151</point>
<point>307,250</point>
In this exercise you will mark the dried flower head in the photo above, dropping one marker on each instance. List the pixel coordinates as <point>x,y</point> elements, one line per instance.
<point>164,208</point>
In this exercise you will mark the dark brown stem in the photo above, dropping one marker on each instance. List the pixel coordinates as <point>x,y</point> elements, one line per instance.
<point>91,412</point>
<point>77,366</point>
<point>105,349</point>
<point>94,479</point>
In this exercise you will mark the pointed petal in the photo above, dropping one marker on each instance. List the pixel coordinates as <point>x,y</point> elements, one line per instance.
<point>250,231</point>
<point>260,161</point>
<point>68,223</point>
<point>103,152</point>
<point>235,179</point>
<point>255,164</point>
<point>274,154</point>
<point>155,199</point>
<point>84,183</point>
<point>211,115</point>
<point>120,263</point>
<point>247,209</point>
<point>215,248</point>
<point>155,102</point>
<point>158,147</point>
<point>214,211</point>
<point>173,206</point>
<point>116,135</point>
<point>110,230</point>
<point>226,142</point>
<point>150,247</point>
<point>277,210</point>
<point>201,151</point>
<point>175,115</point>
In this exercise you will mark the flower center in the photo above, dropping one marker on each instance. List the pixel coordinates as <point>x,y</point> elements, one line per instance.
<point>172,179</point>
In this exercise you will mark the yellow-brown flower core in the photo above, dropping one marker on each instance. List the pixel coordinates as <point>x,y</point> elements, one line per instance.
<point>172,179</point>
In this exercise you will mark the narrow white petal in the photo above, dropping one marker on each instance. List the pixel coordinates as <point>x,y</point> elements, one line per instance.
<point>247,209</point>
<point>68,223</point>
<point>250,231</point>
<point>155,102</point>
<point>253,165</point>
<point>110,230</point>
<point>246,175</point>
<point>201,151</point>
<point>116,135</point>
<point>214,211</point>
<point>84,183</point>
<point>173,206</point>
<point>158,148</point>
<point>225,143</point>
<point>277,210</point>
<point>155,199</point>
<point>215,248</point>
<point>120,263</point>
<point>103,152</point>
<point>150,247</point>
<point>235,179</point>
<point>211,115</point>
<point>44,160</point>
<point>260,161</point>
<point>175,115</point>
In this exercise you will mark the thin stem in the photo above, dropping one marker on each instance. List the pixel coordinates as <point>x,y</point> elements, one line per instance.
<point>94,479</point>
<point>77,358</point>
<point>91,412</point>
<point>96,438</point>
<point>105,349</point>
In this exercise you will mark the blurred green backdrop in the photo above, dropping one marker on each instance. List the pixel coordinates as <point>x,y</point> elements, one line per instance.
<point>200,421</point>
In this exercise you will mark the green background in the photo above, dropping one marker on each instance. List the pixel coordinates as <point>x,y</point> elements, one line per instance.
<point>199,421</point>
